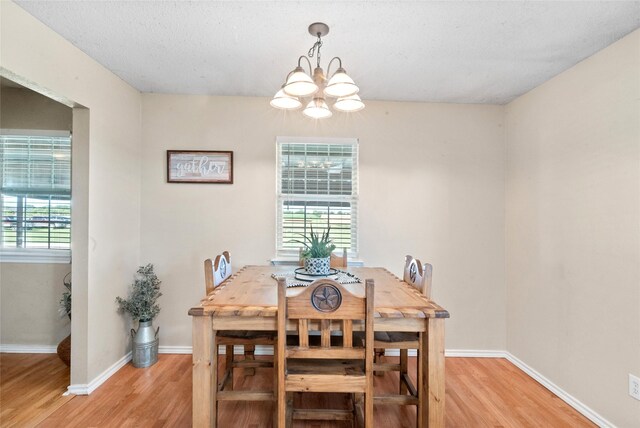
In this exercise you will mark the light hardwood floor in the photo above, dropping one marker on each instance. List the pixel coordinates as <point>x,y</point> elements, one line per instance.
<point>31,388</point>
<point>480,392</point>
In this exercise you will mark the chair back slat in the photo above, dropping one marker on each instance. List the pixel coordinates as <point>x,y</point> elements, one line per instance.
<point>303,333</point>
<point>339,260</point>
<point>208,276</point>
<point>347,333</point>
<point>419,275</point>
<point>216,271</point>
<point>325,333</point>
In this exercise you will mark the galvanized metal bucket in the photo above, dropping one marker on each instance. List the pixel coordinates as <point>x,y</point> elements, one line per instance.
<point>144,345</point>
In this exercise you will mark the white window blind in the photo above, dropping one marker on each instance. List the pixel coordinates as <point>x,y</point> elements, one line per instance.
<point>35,184</point>
<point>317,187</point>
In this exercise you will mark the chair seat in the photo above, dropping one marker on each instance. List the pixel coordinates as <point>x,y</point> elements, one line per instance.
<point>394,336</point>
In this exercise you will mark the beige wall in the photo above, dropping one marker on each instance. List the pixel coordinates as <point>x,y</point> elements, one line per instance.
<point>106,187</point>
<point>24,319</point>
<point>573,229</point>
<point>25,109</point>
<point>29,304</point>
<point>431,184</point>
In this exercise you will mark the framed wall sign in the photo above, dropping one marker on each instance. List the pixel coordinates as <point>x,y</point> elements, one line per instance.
<point>199,166</point>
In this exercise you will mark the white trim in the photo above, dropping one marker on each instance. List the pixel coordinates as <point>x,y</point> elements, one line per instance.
<point>28,349</point>
<point>316,140</point>
<point>35,132</point>
<point>175,349</point>
<point>35,255</point>
<point>563,395</point>
<point>86,389</point>
<point>293,261</point>
<point>473,353</point>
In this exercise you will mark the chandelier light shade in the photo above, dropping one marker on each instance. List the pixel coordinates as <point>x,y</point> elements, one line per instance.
<point>284,101</point>
<point>300,84</point>
<point>317,109</point>
<point>341,85</point>
<point>349,104</point>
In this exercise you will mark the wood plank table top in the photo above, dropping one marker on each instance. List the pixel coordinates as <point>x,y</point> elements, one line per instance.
<point>252,292</point>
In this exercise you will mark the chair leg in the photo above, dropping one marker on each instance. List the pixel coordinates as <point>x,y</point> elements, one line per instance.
<point>249,354</point>
<point>275,387</point>
<point>368,410</point>
<point>228,379</point>
<point>377,358</point>
<point>353,410</point>
<point>404,369</point>
<point>290,397</point>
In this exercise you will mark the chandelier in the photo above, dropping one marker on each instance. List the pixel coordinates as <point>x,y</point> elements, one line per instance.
<point>299,84</point>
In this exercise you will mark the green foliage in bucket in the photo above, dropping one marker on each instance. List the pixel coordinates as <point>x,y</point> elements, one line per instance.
<point>142,302</point>
<point>65,300</point>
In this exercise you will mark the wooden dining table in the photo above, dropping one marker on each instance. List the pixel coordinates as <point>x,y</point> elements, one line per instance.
<point>248,301</point>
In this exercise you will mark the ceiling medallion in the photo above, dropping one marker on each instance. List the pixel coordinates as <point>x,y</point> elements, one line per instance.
<point>299,84</point>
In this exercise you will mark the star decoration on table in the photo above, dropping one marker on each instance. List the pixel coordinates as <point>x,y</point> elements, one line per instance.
<point>326,298</point>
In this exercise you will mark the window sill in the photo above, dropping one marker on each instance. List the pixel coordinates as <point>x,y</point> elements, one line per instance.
<point>290,261</point>
<point>34,255</point>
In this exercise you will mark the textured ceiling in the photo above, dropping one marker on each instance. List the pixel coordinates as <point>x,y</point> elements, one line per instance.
<point>466,52</point>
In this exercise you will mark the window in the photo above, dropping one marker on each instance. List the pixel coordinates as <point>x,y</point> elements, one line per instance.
<point>35,179</point>
<point>317,187</point>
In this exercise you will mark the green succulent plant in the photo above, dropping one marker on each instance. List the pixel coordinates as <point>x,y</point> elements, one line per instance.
<point>316,246</point>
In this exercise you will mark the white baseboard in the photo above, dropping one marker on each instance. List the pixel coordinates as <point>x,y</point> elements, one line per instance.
<point>175,349</point>
<point>28,349</point>
<point>563,395</point>
<point>472,353</point>
<point>86,389</point>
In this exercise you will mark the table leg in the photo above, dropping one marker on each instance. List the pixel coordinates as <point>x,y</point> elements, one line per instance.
<point>433,381</point>
<point>204,372</point>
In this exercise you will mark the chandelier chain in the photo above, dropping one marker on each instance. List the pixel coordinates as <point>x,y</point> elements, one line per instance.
<point>317,45</point>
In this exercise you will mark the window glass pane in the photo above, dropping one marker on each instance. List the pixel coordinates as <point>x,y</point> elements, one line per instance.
<point>298,217</point>
<point>35,178</point>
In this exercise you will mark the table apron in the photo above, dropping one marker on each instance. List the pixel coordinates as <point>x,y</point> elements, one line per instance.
<point>269,324</point>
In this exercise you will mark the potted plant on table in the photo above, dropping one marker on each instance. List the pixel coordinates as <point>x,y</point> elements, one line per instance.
<point>317,252</point>
<point>142,306</point>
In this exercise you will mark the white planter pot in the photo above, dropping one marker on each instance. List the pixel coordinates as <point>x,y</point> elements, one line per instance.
<point>318,266</point>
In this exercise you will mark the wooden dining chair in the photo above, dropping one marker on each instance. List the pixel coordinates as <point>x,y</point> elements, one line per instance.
<point>216,272</point>
<point>337,260</point>
<point>420,276</point>
<point>325,363</point>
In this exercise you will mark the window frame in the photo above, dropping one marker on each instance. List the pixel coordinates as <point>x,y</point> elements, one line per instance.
<point>283,254</point>
<point>38,255</point>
